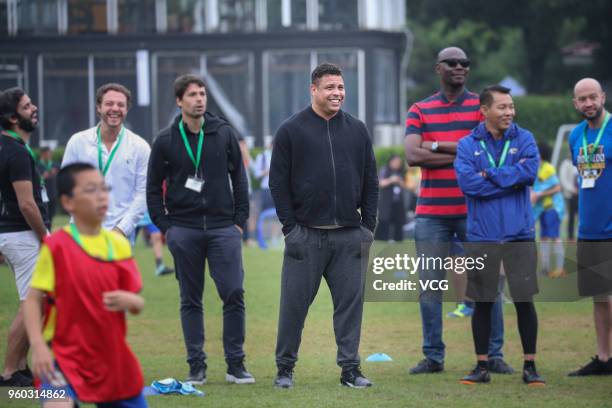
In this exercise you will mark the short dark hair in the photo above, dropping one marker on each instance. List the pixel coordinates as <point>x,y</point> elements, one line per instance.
<point>182,83</point>
<point>112,86</point>
<point>45,149</point>
<point>545,151</point>
<point>324,69</point>
<point>486,96</point>
<point>9,102</point>
<point>66,177</point>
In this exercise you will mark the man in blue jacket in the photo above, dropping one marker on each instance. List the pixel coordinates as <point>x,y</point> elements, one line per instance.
<point>496,164</point>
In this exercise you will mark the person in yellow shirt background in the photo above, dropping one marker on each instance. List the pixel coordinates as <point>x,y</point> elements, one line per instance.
<point>549,208</point>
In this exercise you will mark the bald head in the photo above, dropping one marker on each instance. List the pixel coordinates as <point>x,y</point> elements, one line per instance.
<point>453,67</point>
<point>588,85</point>
<point>589,100</point>
<point>451,53</point>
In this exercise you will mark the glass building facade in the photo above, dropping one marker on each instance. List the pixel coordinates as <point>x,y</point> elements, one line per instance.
<point>255,57</point>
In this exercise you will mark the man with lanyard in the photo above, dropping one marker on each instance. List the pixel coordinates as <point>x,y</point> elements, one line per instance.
<point>591,148</point>
<point>201,214</point>
<point>433,128</point>
<point>23,218</point>
<point>120,154</point>
<point>496,164</point>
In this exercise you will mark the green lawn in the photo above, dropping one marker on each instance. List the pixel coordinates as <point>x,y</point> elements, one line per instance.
<point>566,340</point>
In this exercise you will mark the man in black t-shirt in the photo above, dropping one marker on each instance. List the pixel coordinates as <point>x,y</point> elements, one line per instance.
<point>23,218</point>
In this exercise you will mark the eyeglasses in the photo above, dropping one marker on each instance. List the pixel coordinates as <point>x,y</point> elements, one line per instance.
<point>452,62</point>
<point>96,190</point>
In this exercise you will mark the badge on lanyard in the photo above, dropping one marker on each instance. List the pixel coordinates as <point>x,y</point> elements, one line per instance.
<point>44,195</point>
<point>588,182</point>
<point>194,183</point>
<point>589,175</point>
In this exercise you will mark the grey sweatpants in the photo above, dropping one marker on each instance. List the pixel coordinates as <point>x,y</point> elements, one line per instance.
<point>340,256</point>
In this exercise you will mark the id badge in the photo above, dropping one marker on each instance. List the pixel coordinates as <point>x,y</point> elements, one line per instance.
<point>44,195</point>
<point>194,184</point>
<point>588,182</point>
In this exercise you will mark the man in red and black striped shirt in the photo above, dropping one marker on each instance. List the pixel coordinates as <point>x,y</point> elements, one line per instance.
<point>433,128</point>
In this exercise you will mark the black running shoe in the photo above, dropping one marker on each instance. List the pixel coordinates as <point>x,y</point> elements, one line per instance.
<point>284,378</point>
<point>427,366</point>
<point>353,378</point>
<point>594,367</point>
<point>532,378</point>
<point>197,374</point>
<point>237,373</point>
<point>499,366</point>
<point>17,380</point>
<point>479,375</point>
<point>26,372</point>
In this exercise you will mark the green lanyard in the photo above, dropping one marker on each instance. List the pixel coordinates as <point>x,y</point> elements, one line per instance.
<point>588,157</point>
<point>47,166</point>
<point>196,161</point>
<point>104,169</point>
<point>15,136</point>
<point>77,237</point>
<point>502,159</point>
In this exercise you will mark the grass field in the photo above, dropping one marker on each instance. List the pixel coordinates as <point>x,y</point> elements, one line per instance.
<point>566,340</point>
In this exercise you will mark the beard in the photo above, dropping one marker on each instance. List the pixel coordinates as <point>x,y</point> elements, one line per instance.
<point>596,116</point>
<point>26,124</point>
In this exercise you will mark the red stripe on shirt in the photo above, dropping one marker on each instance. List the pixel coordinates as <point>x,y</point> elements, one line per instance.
<point>433,174</point>
<point>450,136</point>
<point>439,192</point>
<point>450,117</point>
<point>459,210</point>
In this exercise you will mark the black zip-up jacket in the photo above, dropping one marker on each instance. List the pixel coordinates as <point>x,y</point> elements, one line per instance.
<point>323,172</point>
<point>219,204</point>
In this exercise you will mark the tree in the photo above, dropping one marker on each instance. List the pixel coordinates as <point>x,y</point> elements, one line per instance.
<point>541,24</point>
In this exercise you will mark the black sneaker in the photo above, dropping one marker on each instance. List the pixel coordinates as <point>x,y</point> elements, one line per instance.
<point>353,378</point>
<point>426,366</point>
<point>237,373</point>
<point>479,375</point>
<point>197,374</point>
<point>532,378</point>
<point>27,373</point>
<point>595,367</point>
<point>17,380</point>
<point>284,378</point>
<point>499,366</point>
<point>162,270</point>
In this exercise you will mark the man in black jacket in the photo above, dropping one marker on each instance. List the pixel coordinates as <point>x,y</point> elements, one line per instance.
<point>200,214</point>
<point>325,188</point>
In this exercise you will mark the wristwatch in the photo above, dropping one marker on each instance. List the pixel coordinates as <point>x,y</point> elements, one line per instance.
<point>434,146</point>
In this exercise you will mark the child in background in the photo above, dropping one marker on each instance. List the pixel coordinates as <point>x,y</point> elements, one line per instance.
<point>549,207</point>
<point>86,278</point>
<point>157,244</point>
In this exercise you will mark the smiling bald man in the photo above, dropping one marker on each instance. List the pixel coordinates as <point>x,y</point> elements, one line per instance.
<point>591,148</point>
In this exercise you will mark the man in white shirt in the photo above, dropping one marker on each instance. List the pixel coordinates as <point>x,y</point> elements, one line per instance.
<point>120,154</point>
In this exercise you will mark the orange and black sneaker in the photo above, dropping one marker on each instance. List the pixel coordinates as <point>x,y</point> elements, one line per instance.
<point>532,378</point>
<point>479,375</point>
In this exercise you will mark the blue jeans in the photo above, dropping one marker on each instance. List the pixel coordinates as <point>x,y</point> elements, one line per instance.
<point>433,237</point>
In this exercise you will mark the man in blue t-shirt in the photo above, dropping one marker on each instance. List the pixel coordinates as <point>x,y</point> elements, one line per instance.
<point>591,149</point>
